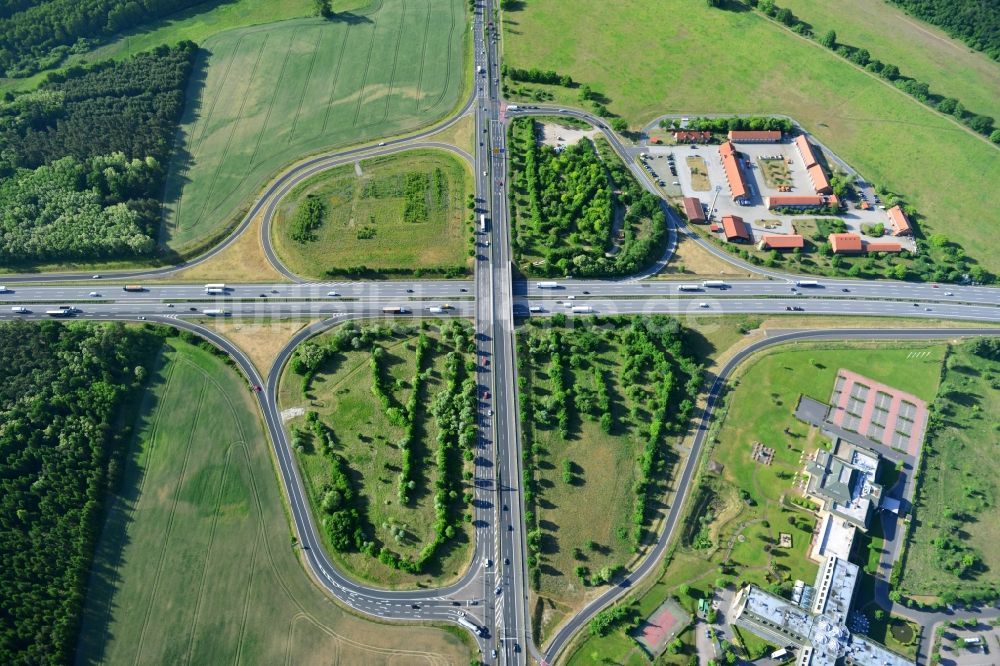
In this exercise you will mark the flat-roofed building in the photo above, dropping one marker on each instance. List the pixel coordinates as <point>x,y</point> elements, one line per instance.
<point>900,223</point>
<point>780,242</point>
<point>847,488</point>
<point>735,229</point>
<point>693,209</point>
<point>755,136</point>
<point>817,633</point>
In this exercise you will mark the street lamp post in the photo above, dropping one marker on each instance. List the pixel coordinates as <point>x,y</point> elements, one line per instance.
<point>711,211</point>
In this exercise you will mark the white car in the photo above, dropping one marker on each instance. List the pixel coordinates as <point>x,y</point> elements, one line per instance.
<point>332,293</point>
<point>94,294</point>
<point>703,305</point>
<point>95,277</point>
<point>381,143</point>
<point>948,293</point>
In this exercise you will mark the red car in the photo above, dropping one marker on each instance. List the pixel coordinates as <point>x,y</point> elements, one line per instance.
<point>486,360</point>
<point>486,395</point>
<point>257,388</point>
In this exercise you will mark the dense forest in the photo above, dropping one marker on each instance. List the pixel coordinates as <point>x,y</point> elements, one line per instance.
<point>976,22</point>
<point>61,389</point>
<point>37,34</point>
<point>82,158</point>
<point>565,205</point>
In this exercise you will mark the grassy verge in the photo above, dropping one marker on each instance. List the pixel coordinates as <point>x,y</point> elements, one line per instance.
<point>951,547</point>
<point>400,214</point>
<point>268,95</point>
<point>396,454</point>
<point>695,66</point>
<point>198,527</point>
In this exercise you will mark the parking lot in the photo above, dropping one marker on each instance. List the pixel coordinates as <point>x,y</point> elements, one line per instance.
<point>793,180</point>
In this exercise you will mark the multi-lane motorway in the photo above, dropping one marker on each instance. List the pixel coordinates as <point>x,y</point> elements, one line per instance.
<point>493,592</point>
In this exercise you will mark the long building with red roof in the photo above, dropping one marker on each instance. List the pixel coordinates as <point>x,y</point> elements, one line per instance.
<point>731,166</point>
<point>805,150</point>
<point>845,243</point>
<point>689,136</point>
<point>802,201</point>
<point>755,136</point>
<point>819,179</point>
<point>781,242</point>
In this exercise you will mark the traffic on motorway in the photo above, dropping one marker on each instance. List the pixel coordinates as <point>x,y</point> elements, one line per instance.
<point>490,599</point>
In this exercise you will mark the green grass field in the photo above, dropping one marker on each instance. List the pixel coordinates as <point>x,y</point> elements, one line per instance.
<point>341,393</point>
<point>717,61</point>
<point>195,564</point>
<point>959,488</point>
<point>919,49</point>
<point>268,95</point>
<point>760,408</point>
<point>365,225</point>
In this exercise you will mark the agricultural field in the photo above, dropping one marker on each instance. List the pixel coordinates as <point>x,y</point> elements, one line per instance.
<point>919,49</point>
<point>694,66</point>
<point>723,538</point>
<point>402,215</point>
<point>387,414</point>
<point>600,407</point>
<point>956,503</point>
<point>577,210</point>
<point>199,493</point>
<point>269,95</point>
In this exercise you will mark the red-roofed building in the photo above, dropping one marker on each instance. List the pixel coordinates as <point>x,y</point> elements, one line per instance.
<point>693,209</point>
<point>881,246</point>
<point>802,201</point>
<point>805,150</point>
<point>735,229</point>
<point>819,180</point>
<point>845,243</point>
<point>780,242</point>
<point>689,136</point>
<point>731,166</point>
<point>755,136</point>
<point>901,225</point>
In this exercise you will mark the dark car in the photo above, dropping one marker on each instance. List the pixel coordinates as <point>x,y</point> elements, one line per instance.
<point>409,291</point>
<point>196,309</point>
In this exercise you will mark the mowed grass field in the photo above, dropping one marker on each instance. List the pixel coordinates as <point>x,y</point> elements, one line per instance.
<point>919,49</point>
<point>341,393</point>
<point>265,96</point>
<point>195,564</point>
<point>364,225</point>
<point>686,58</point>
<point>958,491</point>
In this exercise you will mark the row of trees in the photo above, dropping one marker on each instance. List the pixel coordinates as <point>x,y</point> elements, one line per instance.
<point>61,391</point>
<point>38,34</point>
<point>453,410</point>
<point>731,123</point>
<point>81,158</point>
<point>536,75</point>
<point>979,123</point>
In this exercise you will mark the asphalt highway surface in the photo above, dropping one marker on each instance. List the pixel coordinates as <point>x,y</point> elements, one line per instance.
<point>491,593</point>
